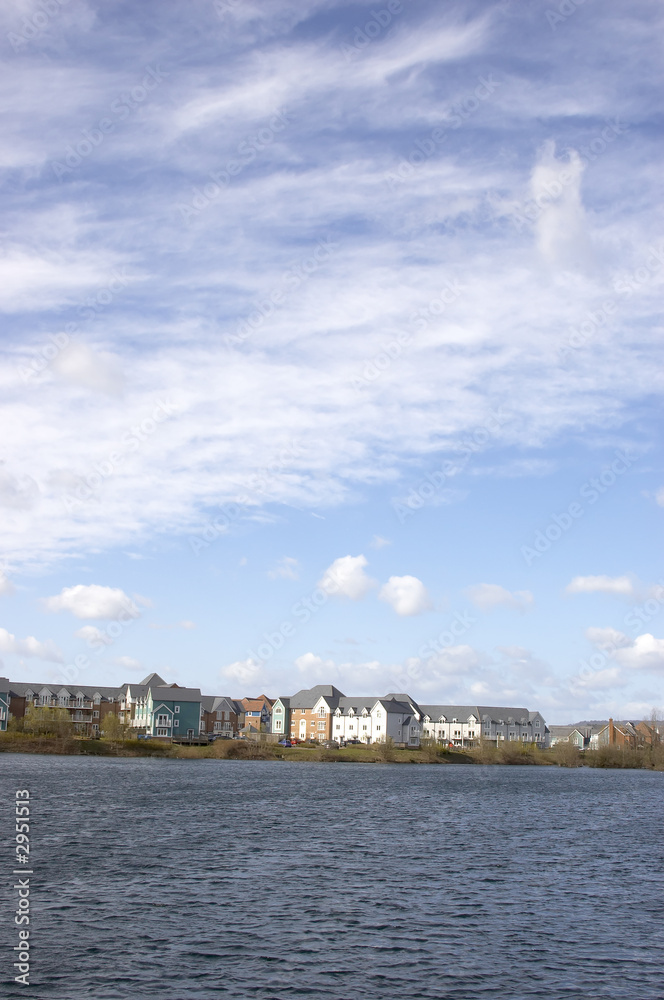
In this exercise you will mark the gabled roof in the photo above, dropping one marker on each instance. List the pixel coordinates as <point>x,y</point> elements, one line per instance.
<point>307,697</point>
<point>392,706</point>
<point>218,703</point>
<point>162,693</point>
<point>357,704</point>
<point>18,689</point>
<point>153,680</point>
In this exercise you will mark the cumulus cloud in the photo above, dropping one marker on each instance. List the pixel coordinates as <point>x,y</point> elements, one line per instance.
<point>406,594</point>
<point>346,578</point>
<point>30,647</point>
<point>286,569</point>
<point>94,636</point>
<point>378,542</point>
<point>243,671</point>
<point>621,585</point>
<point>491,595</point>
<point>128,662</point>
<point>645,652</point>
<point>562,228</point>
<point>94,601</point>
<point>81,366</point>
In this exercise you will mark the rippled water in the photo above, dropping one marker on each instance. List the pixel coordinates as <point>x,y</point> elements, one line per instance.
<point>274,880</point>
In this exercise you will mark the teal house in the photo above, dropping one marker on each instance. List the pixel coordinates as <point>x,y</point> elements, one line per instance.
<point>164,711</point>
<point>4,704</point>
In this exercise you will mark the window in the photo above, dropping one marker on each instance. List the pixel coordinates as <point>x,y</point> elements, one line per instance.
<point>378,715</point>
<point>321,711</point>
<point>177,709</point>
<point>162,732</point>
<point>162,720</point>
<point>351,727</point>
<point>95,715</point>
<point>321,725</point>
<point>313,724</point>
<point>176,723</point>
<point>337,726</point>
<point>278,711</point>
<point>277,725</point>
<point>537,725</point>
<point>377,729</point>
<point>303,710</point>
<point>364,729</point>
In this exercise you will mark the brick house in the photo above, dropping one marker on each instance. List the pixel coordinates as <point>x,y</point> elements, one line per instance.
<point>220,715</point>
<point>87,705</point>
<point>311,711</point>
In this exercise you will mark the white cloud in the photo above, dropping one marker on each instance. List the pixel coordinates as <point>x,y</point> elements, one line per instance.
<point>80,365</point>
<point>94,601</point>
<point>6,586</point>
<point>621,585</point>
<point>30,647</point>
<point>243,671</point>
<point>94,636</point>
<point>346,578</point>
<point>406,594</point>
<point>491,595</point>
<point>286,569</point>
<point>128,662</point>
<point>645,652</point>
<point>377,542</point>
<point>562,228</point>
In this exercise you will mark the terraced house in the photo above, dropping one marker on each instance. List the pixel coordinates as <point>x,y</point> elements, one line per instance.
<point>394,717</point>
<point>163,711</point>
<point>466,725</point>
<point>87,705</point>
<point>220,715</point>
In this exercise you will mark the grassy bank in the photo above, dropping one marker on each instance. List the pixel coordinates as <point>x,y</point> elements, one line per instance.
<point>563,755</point>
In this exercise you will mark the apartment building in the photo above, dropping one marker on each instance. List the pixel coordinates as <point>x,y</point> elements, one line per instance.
<point>87,704</point>
<point>220,715</point>
<point>466,725</point>
<point>370,720</point>
<point>311,712</point>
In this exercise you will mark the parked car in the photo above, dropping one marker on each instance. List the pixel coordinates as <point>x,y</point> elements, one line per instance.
<point>295,741</point>
<point>285,743</point>
<point>352,741</point>
<point>331,745</point>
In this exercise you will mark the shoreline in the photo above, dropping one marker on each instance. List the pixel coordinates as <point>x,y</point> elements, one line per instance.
<point>511,754</point>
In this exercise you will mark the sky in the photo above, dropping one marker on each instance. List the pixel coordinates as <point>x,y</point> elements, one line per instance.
<point>331,349</point>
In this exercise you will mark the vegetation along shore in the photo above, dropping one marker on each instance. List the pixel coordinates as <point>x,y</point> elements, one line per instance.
<point>561,755</point>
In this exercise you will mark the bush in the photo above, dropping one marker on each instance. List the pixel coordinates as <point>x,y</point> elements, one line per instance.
<point>384,750</point>
<point>565,754</point>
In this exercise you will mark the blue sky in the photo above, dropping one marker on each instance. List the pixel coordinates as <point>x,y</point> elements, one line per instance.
<point>331,348</point>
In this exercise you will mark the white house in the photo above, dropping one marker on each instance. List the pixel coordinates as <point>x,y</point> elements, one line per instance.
<point>373,720</point>
<point>466,725</point>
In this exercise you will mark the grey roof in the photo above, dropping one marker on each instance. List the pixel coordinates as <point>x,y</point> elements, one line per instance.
<point>153,679</point>
<point>307,697</point>
<point>218,703</point>
<point>512,716</point>
<point>391,705</point>
<point>175,694</point>
<point>18,689</point>
<point>4,685</point>
<point>357,704</point>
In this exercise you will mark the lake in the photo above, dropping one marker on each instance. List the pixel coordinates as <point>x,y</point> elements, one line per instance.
<point>180,879</point>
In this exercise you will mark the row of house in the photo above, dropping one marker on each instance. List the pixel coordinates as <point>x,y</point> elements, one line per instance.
<point>153,707</point>
<point>323,712</point>
<point>632,735</point>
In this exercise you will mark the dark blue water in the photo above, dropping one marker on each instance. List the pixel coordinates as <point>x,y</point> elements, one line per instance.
<point>284,881</point>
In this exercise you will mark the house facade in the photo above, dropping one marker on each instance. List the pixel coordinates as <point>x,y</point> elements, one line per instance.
<point>395,717</point>
<point>311,712</point>
<point>220,715</point>
<point>281,716</point>
<point>4,704</point>
<point>466,725</point>
<point>87,705</point>
<point>256,713</point>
